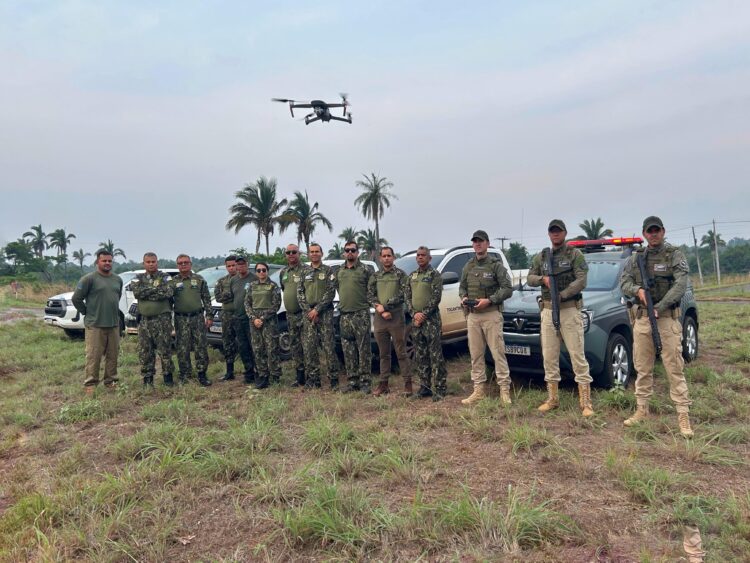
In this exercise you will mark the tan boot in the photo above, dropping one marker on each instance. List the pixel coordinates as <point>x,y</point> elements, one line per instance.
<point>683,419</point>
<point>641,413</point>
<point>584,399</point>
<point>505,399</point>
<point>476,396</point>
<point>553,399</point>
<point>381,389</point>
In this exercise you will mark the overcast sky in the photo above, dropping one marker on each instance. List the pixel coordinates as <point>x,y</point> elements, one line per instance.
<point>137,121</point>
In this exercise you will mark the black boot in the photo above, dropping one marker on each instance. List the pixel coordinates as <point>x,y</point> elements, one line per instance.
<point>300,378</point>
<point>203,380</point>
<point>424,392</point>
<point>148,381</point>
<point>250,376</point>
<point>229,375</point>
<point>183,379</point>
<point>168,381</point>
<point>334,383</point>
<point>262,383</point>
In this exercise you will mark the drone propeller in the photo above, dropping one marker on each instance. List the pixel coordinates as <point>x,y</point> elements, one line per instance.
<point>344,98</point>
<point>284,100</point>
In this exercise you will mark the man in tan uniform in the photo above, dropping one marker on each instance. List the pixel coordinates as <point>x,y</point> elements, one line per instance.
<point>667,267</point>
<point>569,271</point>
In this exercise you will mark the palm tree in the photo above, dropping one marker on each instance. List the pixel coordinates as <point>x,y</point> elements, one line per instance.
<point>349,233</point>
<point>708,240</point>
<point>336,252</point>
<point>37,239</point>
<point>258,207</point>
<point>305,216</point>
<point>368,242</point>
<point>375,198</point>
<point>60,239</point>
<point>594,229</point>
<point>109,248</point>
<point>79,256</point>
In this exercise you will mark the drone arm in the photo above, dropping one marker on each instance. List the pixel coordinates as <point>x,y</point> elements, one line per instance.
<point>308,121</point>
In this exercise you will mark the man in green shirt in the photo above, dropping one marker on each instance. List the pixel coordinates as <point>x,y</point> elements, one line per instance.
<point>238,287</point>
<point>290,277</point>
<point>97,297</point>
<point>223,295</point>
<point>193,314</point>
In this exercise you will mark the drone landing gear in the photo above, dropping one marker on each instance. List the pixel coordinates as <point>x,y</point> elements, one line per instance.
<point>347,119</point>
<point>308,121</point>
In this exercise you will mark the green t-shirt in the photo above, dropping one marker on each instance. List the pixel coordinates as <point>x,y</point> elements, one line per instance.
<point>98,298</point>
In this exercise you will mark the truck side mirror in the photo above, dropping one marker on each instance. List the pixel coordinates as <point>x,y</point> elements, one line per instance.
<point>449,278</point>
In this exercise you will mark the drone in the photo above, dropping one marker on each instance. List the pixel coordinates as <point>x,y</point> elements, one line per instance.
<point>321,110</point>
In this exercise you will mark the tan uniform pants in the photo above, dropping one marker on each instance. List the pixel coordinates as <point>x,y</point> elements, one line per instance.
<point>571,332</point>
<point>101,342</point>
<point>384,331</point>
<point>486,329</point>
<point>644,357</point>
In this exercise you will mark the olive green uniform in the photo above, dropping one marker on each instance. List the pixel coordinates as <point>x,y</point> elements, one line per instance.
<point>423,293</point>
<point>486,279</point>
<point>192,305</point>
<point>386,288</point>
<point>290,279</point>
<point>668,268</point>
<point>354,323</point>
<point>154,294</point>
<point>97,297</point>
<point>569,272</point>
<point>262,301</point>
<point>223,294</point>
<point>317,291</point>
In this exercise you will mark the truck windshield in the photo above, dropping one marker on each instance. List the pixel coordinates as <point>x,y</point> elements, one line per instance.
<point>408,263</point>
<point>603,276</point>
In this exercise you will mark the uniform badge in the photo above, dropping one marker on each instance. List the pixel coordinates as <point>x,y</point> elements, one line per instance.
<point>487,275</point>
<point>322,276</point>
<point>660,268</point>
<point>333,277</point>
<point>180,285</point>
<point>295,279</point>
<point>415,276</point>
<point>193,283</point>
<point>563,264</point>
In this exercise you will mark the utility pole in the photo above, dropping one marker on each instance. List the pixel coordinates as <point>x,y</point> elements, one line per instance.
<point>502,242</point>
<point>716,254</point>
<point>697,256</point>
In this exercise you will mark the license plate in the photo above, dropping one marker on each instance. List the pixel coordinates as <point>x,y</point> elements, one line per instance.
<point>213,328</point>
<point>517,350</point>
<point>49,321</point>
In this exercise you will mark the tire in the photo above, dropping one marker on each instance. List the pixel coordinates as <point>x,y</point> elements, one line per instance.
<point>618,362</point>
<point>285,345</point>
<point>74,334</point>
<point>689,339</point>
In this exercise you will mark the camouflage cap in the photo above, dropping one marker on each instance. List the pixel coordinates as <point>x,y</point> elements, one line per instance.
<point>480,234</point>
<point>652,221</point>
<point>557,223</point>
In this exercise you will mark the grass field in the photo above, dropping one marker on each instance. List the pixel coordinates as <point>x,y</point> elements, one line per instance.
<point>229,474</point>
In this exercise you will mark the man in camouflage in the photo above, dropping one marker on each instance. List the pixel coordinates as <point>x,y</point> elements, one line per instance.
<point>262,303</point>
<point>315,296</point>
<point>290,277</point>
<point>667,267</point>
<point>223,294</point>
<point>153,290</point>
<point>423,293</point>
<point>193,314</point>
<point>486,283</point>
<point>569,272</point>
<point>238,286</point>
<point>385,292</point>
<point>354,323</point>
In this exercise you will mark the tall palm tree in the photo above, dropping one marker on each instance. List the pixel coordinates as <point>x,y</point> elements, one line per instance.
<point>79,256</point>
<point>374,199</point>
<point>305,216</point>
<point>708,240</point>
<point>368,242</point>
<point>38,240</point>
<point>60,240</point>
<point>349,233</point>
<point>257,206</point>
<point>594,229</point>
<point>336,252</point>
<point>109,247</point>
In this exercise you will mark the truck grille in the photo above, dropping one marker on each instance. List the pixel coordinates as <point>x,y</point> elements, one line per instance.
<point>55,308</point>
<point>521,323</point>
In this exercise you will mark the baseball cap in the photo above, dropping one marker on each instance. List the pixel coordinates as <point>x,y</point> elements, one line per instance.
<point>557,223</point>
<point>652,221</point>
<point>480,234</point>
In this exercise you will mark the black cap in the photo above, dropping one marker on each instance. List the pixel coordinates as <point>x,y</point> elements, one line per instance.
<point>240,259</point>
<point>557,223</point>
<point>480,234</point>
<point>652,221</point>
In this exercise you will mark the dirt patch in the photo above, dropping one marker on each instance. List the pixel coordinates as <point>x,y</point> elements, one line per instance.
<point>15,314</point>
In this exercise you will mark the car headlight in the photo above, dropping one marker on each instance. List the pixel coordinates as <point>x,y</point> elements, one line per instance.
<point>69,302</point>
<point>587,316</point>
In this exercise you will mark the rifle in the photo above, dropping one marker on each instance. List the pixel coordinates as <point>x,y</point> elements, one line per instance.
<point>554,294</point>
<point>649,284</point>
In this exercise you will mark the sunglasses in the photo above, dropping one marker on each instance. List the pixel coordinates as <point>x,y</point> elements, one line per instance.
<point>288,252</point>
<point>350,250</point>
<point>183,263</point>
<point>261,270</point>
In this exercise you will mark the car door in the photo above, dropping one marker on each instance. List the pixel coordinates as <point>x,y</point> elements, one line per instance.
<point>451,312</point>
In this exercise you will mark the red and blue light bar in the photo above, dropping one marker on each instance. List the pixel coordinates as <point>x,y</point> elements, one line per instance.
<point>618,241</point>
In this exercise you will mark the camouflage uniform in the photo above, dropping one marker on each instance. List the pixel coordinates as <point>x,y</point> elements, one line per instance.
<point>354,324</point>
<point>223,294</point>
<point>262,301</point>
<point>192,305</point>
<point>316,291</point>
<point>423,293</point>
<point>386,288</point>
<point>290,279</point>
<point>154,293</point>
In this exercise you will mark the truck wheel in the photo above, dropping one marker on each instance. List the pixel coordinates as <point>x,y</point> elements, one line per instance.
<point>285,345</point>
<point>689,339</point>
<point>618,362</point>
